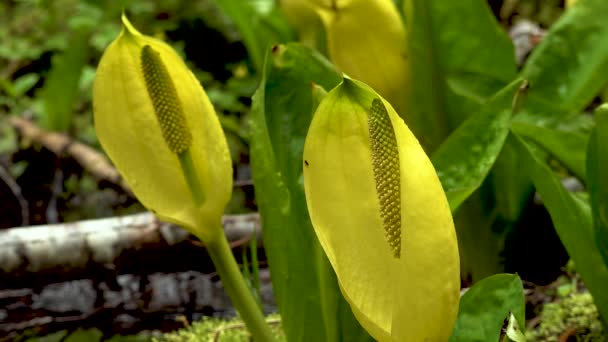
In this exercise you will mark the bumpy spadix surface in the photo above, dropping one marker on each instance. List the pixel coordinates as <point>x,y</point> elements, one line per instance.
<point>149,108</point>
<point>165,101</point>
<point>382,217</point>
<point>385,163</point>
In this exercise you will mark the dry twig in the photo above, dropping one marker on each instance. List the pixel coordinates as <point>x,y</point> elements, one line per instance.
<point>16,190</point>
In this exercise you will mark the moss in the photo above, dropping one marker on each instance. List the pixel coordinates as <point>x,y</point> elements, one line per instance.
<point>212,329</point>
<point>574,317</point>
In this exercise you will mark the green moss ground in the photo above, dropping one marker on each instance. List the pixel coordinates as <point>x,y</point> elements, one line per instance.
<point>573,318</point>
<point>210,329</point>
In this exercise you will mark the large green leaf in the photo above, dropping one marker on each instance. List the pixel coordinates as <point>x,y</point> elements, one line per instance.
<point>485,306</point>
<point>260,23</point>
<point>465,158</point>
<point>459,57</point>
<point>567,147</point>
<point>569,67</point>
<point>573,222</point>
<point>559,66</point>
<point>61,85</point>
<point>309,299</point>
<point>597,179</point>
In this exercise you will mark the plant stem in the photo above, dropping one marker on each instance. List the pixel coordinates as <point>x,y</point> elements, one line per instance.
<point>223,259</point>
<point>235,286</point>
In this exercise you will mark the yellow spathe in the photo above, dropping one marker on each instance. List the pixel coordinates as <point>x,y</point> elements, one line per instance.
<point>366,39</point>
<point>407,296</point>
<point>302,16</point>
<point>130,132</point>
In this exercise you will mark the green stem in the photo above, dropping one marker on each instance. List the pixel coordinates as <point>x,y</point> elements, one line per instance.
<point>223,259</point>
<point>235,286</point>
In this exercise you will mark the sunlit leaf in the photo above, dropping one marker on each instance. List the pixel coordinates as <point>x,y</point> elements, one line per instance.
<point>459,57</point>
<point>465,158</point>
<point>486,305</point>
<point>567,147</point>
<point>567,69</point>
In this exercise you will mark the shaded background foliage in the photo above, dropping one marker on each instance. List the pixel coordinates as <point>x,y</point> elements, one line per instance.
<point>49,51</point>
<point>38,34</point>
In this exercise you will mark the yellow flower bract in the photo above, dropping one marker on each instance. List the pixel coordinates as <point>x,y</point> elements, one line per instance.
<point>366,39</point>
<point>412,297</point>
<point>130,133</point>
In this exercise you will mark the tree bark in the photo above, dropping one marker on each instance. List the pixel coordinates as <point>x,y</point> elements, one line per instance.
<point>101,241</point>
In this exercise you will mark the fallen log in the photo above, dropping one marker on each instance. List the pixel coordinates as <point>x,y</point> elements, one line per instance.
<point>102,242</point>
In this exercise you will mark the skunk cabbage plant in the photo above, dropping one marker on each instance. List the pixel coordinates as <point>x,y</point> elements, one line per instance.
<point>382,217</point>
<point>159,128</point>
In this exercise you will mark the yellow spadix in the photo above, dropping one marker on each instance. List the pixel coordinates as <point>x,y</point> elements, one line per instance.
<point>158,127</point>
<point>381,215</point>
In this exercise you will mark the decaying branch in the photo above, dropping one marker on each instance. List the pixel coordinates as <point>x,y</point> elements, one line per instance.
<point>74,245</point>
<point>89,158</point>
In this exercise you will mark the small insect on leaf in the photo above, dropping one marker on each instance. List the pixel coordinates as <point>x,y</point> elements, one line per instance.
<point>306,162</point>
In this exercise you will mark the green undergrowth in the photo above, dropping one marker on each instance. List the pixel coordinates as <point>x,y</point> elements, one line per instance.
<point>212,329</point>
<point>573,318</point>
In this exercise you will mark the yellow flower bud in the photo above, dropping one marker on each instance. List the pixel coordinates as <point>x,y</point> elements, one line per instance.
<point>158,127</point>
<point>382,217</point>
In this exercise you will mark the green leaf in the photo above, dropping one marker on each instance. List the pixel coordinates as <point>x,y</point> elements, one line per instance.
<point>597,180</point>
<point>24,83</point>
<point>486,305</point>
<point>564,72</point>
<point>513,331</point>
<point>465,158</point>
<point>567,147</point>
<point>8,139</point>
<point>567,69</point>
<point>260,23</point>
<point>308,296</point>
<point>459,57</point>
<point>61,85</point>
<point>573,223</point>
